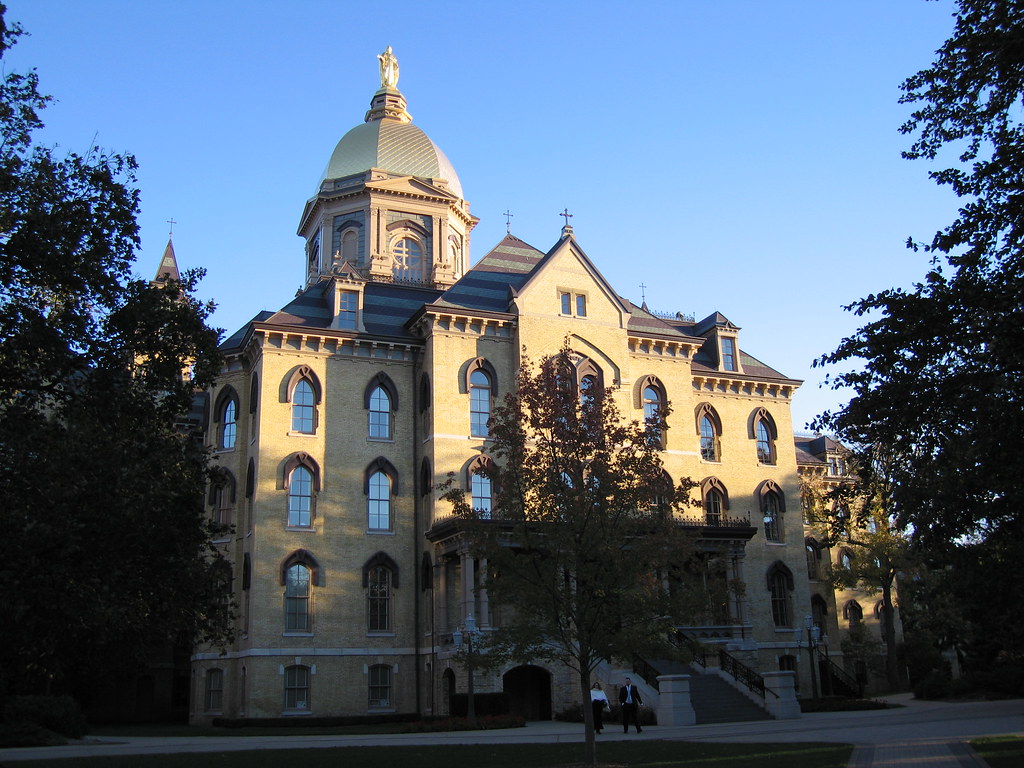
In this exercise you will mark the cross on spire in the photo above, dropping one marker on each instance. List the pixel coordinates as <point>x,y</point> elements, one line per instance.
<point>565,213</point>
<point>508,221</point>
<point>643,295</point>
<point>172,222</point>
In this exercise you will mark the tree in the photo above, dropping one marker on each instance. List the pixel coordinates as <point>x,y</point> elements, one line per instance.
<point>106,551</point>
<point>943,363</point>
<point>582,542</point>
<point>857,515</point>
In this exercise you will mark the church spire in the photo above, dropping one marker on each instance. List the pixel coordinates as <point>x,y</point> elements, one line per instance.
<point>168,266</point>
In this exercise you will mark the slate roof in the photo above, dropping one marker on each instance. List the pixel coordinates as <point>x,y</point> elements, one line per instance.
<point>813,449</point>
<point>493,281</point>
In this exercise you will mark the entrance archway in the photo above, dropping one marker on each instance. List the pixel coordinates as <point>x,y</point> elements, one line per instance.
<point>529,692</point>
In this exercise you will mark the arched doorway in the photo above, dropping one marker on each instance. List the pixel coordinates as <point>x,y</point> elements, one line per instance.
<point>529,692</point>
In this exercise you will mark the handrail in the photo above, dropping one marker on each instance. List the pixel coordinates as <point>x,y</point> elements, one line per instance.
<point>841,674</point>
<point>743,674</point>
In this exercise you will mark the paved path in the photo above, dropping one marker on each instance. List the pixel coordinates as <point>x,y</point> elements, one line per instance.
<point>921,734</point>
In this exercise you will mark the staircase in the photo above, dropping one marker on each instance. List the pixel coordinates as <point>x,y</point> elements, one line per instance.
<point>714,699</point>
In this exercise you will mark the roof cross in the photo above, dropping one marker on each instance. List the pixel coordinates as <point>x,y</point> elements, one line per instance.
<point>172,222</point>
<point>643,295</point>
<point>508,221</point>
<point>567,216</point>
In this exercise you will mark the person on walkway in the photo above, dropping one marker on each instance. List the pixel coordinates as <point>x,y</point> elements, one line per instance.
<point>629,698</point>
<point>598,703</point>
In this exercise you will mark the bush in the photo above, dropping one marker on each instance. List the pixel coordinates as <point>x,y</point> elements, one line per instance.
<point>28,735</point>
<point>572,714</point>
<point>59,714</point>
<point>1003,680</point>
<point>486,704</point>
<point>937,684</point>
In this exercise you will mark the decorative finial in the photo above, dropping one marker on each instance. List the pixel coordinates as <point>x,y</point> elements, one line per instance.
<point>643,295</point>
<point>566,215</point>
<point>508,221</point>
<point>388,69</point>
<point>172,222</point>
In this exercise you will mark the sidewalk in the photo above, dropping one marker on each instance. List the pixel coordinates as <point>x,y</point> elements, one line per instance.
<point>922,734</point>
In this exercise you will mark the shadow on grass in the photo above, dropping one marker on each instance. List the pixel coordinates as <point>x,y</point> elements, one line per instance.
<point>635,754</point>
<point>1001,751</point>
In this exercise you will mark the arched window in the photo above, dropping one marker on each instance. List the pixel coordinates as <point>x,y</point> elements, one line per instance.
<point>378,599</point>
<point>303,407</point>
<point>408,259</point>
<point>350,246</point>
<point>381,401</point>
<point>222,497</point>
<point>300,497</point>
<point>853,613</point>
<point>819,613</point>
<point>880,615</point>
<point>780,587</point>
<point>379,686</point>
<point>845,559</point>
<point>297,614</point>
<point>296,689</point>
<point>229,425</point>
<point>480,486</point>
<point>813,559</point>
<point>764,432</point>
<point>653,397</point>
<point>380,414</point>
<point>479,403</point>
<point>214,694</point>
<point>380,483</point>
<point>772,508</point>
<point>709,428</point>
<point>716,500</point>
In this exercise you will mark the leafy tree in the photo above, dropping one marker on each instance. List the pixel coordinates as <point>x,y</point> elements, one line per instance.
<point>105,550</point>
<point>582,542</point>
<point>943,363</point>
<point>942,375</point>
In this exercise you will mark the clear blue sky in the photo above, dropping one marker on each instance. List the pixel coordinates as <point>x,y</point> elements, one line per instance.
<point>733,155</point>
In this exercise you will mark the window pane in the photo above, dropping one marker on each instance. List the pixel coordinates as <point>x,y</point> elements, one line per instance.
<point>764,444</point>
<point>379,502</point>
<point>347,309</point>
<point>708,440</point>
<point>780,601</point>
<point>214,690</point>
<point>378,599</point>
<point>380,686</point>
<point>566,304</point>
<point>296,599</point>
<point>772,522</point>
<point>479,403</point>
<point>300,497</point>
<point>408,260</point>
<point>481,490</point>
<point>229,429</point>
<point>296,688</point>
<point>303,404</point>
<point>581,306</point>
<point>728,354</point>
<point>380,414</point>
<point>713,508</point>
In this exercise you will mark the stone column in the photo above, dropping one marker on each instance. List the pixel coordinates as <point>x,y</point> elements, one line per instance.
<point>674,707</point>
<point>783,705</point>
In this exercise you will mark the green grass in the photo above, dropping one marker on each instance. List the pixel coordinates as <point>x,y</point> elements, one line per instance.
<point>1001,751</point>
<point>635,754</point>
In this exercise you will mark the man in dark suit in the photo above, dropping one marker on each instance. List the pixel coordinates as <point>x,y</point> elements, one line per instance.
<point>629,698</point>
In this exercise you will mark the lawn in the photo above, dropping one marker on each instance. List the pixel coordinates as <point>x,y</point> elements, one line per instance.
<point>1001,751</point>
<point>634,754</point>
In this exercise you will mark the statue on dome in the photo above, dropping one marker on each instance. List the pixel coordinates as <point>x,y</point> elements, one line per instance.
<point>388,69</point>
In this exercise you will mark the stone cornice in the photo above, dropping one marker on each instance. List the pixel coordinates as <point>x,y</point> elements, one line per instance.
<point>747,386</point>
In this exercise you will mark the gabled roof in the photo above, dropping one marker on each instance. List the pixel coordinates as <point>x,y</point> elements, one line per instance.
<point>168,269</point>
<point>495,279</point>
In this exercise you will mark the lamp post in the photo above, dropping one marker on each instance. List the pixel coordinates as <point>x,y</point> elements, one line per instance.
<point>826,679</point>
<point>471,634</point>
<point>813,633</point>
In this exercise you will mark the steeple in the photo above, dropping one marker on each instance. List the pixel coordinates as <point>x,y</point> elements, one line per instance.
<point>168,266</point>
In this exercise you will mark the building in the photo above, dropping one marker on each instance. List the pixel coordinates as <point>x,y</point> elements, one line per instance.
<point>337,416</point>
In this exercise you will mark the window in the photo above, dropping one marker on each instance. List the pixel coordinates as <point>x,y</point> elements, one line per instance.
<point>570,302</point>
<point>350,246</point>
<point>653,403</point>
<point>713,507</point>
<point>813,560</point>
<point>716,500</point>
<point>581,305</point>
<point>772,517</point>
<point>378,599</point>
<point>729,354</point>
<point>296,599</point>
<point>780,586</point>
<point>380,686</point>
<point>380,414</point>
<point>479,403</point>
<point>764,432</point>
<point>853,613</point>
<point>214,694</point>
<point>379,502</point>
<point>709,428</point>
<point>303,408</point>
<point>296,689</point>
<point>300,497</point>
<point>588,390</point>
<point>480,487</point>
<point>566,303</point>
<point>223,501</point>
<point>408,260</point>
<point>229,425</point>
<point>348,309</point>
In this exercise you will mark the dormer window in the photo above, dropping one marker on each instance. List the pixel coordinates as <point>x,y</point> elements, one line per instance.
<point>728,353</point>
<point>348,309</point>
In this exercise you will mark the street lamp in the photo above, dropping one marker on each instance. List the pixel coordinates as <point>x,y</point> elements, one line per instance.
<point>471,635</point>
<point>813,634</point>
